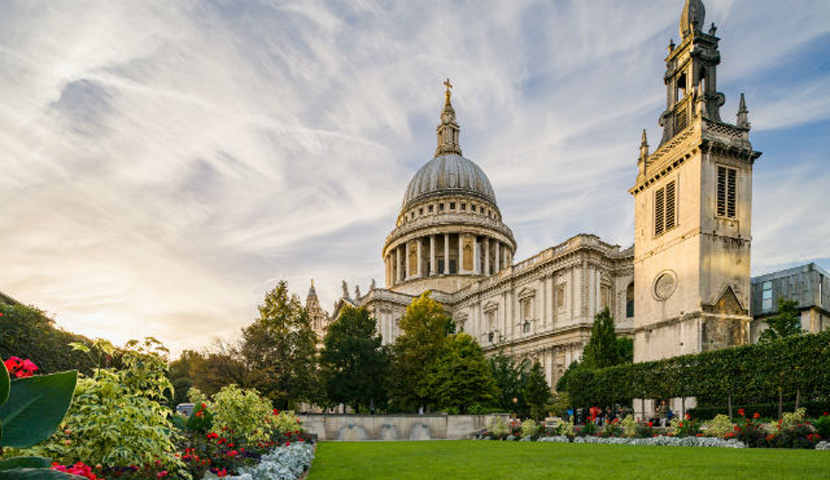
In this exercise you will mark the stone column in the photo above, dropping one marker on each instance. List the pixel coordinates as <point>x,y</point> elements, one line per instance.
<point>397,265</point>
<point>420,258</point>
<point>460,262</point>
<point>476,259</point>
<point>446,254</point>
<point>498,256</point>
<point>406,261</point>
<point>432,267</point>
<point>486,256</point>
<point>402,256</point>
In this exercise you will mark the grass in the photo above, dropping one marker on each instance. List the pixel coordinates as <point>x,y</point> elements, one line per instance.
<point>453,460</point>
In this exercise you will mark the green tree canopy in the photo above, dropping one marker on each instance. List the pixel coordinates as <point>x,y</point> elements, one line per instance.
<point>602,348</point>
<point>511,377</point>
<point>537,391</point>
<point>424,327</point>
<point>27,332</point>
<point>279,349</point>
<point>460,377</point>
<point>353,362</point>
<point>787,323</point>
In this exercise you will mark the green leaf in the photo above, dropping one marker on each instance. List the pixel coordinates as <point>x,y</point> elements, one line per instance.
<point>35,474</point>
<point>35,408</point>
<point>25,462</point>
<point>4,384</point>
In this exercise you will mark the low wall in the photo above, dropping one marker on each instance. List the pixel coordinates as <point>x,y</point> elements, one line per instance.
<point>337,427</point>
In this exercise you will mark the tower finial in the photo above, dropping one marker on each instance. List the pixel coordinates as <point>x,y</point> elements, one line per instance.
<point>743,114</point>
<point>448,129</point>
<point>641,162</point>
<point>692,18</point>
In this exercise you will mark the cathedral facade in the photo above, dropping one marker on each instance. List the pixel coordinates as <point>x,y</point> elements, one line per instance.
<point>683,287</point>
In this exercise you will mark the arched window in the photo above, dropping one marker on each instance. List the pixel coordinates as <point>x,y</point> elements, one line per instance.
<point>629,301</point>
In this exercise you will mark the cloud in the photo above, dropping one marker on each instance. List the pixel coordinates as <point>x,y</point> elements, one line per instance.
<point>164,164</point>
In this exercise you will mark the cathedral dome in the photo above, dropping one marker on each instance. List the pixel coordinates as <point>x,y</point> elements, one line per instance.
<point>448,174</point>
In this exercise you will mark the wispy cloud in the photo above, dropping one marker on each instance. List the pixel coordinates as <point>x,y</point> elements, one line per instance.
<point>163,164</point>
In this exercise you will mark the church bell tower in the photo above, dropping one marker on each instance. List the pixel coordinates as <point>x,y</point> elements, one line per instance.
<point>693,202</point>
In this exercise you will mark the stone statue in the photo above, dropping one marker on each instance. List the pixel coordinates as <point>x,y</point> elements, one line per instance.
<point>357,292</point>
<point>372,285</point>
<point>345,289</point>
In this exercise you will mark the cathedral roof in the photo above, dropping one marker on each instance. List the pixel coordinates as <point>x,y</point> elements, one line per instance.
<point>448,173</point>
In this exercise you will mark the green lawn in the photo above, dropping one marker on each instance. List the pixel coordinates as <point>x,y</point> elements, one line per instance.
<point>452,460</point>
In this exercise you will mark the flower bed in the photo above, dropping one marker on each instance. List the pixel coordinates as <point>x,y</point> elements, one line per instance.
<point>282,463</point>
<point>792,431</point>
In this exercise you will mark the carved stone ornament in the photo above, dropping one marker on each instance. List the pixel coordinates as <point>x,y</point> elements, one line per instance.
<point>664,285</point>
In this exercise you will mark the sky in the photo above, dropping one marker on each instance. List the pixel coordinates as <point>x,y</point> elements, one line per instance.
<point>164,164</point>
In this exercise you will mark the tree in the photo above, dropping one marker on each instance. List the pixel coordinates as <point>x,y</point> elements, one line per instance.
<point>460,377</point>
<point>511,377</point>
<point>27,332</point>
<point>562,383</point>
<point>625,349</point>
<point>181,375</point>
<point>353,362</point>
<point>787,323</point>
<point>424,327</point>
<point>219,367</point>
<point>279,349</point>
<point>537,391</point>
<point>602,349</point>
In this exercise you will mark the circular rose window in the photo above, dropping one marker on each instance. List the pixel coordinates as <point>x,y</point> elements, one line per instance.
<point>664,285</point>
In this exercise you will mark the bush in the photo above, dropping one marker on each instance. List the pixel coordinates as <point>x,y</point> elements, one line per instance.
<point>498,428</point>
<point>719,427</point>
<point>687,427</point>
<point>282,463</point>
<point>629,426</point>
<point>242,414</point>
<point>116,418</point>
<point>529,428</point>
<point>822,425</point>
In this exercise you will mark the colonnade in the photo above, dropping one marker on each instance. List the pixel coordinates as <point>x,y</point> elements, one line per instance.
<point>446,254</point>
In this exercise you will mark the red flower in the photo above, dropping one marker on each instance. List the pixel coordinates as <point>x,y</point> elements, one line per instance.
<point>276,412</point>
<point>741,412</point>
<point>650,424</point>
<point>756,416</point>
<point>825,414</point>
<point>162,474</point>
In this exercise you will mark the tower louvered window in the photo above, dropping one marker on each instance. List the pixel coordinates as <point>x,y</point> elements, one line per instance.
<point>727,183</point>
<point>670,204</point>
<point>665,209</point>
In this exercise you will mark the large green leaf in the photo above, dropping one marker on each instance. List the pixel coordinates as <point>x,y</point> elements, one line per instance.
<point>4,383</point>
<point>35,408</point>
<point>35,474</point>
<point>25,462</point>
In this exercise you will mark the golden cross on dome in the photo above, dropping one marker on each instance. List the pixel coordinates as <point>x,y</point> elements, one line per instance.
<point>449,86</point>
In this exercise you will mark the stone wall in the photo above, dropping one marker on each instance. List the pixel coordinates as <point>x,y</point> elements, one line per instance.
<point>335,427</point>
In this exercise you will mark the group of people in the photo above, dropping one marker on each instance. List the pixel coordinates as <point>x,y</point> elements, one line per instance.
<point>600,417</point>
<point>596,415</point>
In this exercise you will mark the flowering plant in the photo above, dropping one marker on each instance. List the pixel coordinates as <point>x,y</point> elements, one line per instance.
<point>751,431</point>
<point>20,368</point>
<point>686,427</point>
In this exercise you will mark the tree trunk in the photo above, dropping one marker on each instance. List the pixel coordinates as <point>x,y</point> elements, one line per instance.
<point>780,403</point>
<point>797,398</point>
<point>682,408</point>
<point>730,406</point>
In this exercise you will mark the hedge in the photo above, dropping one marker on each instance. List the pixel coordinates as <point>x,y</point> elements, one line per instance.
<point>752,374</point>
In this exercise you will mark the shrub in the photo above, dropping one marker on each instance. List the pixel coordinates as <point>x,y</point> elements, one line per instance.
<point>116,418</point>
<point>751,431</point>
<point>644,430</point>
<point>529,428</point>
<point>242,414</point>
<point>719,426</point>
<point>629,426</point>
<point>613,429</point>
<point>498,428</point>
<point>822,425</point>
<point>567,429</point>
<point>687,427</point>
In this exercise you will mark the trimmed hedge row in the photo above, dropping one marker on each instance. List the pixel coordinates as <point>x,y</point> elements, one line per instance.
<point>759,373</point>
